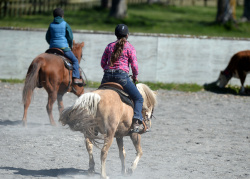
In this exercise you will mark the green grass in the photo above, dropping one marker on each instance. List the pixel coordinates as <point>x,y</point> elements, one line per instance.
<point>11,81</point>
<point>185,87</point>
<point>183,20</point>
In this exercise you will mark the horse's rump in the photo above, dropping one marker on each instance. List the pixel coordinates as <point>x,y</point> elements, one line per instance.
<point>96,112</point>
<point>80,116</point>
<point>102,110</point>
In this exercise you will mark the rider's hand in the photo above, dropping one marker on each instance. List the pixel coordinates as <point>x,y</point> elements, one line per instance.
<point>135,79</point>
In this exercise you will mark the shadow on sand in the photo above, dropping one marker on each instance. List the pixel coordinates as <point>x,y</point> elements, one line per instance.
<point>212,87</point>
<point>47,172</point>
<point>10,123</point>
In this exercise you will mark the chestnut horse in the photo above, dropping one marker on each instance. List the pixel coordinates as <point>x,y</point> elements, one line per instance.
<point>49,71</point>
<point>238,67</point>
<point>102,111</point>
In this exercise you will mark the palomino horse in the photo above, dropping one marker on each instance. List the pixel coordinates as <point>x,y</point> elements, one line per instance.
<point>49,71</point>
<point>102,111</point>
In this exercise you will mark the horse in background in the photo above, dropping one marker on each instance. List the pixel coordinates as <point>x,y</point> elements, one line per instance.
<point>49,71</point>
<point>102,111</point>
<point>238,67</point>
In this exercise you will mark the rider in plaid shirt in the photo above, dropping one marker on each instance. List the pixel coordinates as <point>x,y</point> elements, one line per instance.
<point>116,59</point>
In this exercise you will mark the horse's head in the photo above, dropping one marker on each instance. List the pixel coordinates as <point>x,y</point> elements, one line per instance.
<point>149,102</point>
<point>77,50</point>
<point>223,79</point>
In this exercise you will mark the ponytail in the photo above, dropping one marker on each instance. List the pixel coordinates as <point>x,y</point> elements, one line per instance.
<point>117,50</point>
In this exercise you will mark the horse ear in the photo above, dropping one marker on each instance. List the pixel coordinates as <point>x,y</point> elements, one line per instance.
<point>82,44</point>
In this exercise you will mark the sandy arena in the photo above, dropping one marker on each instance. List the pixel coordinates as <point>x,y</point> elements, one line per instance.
<point>199,135</point>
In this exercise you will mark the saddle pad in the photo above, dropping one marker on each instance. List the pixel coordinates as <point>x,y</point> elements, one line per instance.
<point>60,53</point>
<point>124,96</point>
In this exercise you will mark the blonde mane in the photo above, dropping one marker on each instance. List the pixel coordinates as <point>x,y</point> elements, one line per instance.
<point>148,95</point>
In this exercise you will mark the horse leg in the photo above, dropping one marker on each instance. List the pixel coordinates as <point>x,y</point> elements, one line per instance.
<point>107,143</point>
<point>242,77</point>
<point>60,103</point>
<point>136,138</point>
<point>51,99</point>
<point>89,147</point>
<point>122,153</point>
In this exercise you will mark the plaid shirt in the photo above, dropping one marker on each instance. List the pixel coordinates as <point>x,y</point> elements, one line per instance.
<point>127,57</point>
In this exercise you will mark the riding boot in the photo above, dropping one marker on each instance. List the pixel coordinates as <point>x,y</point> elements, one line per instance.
<point>78,81</point>
<point>137,125</point>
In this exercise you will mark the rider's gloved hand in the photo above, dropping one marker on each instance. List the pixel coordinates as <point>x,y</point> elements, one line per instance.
<point>135,79</point>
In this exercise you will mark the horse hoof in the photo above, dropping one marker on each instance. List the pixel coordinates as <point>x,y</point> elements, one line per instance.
<point>91,171</point>
<point>24,124</point>
<point>53,124</point>
<point>129,171</point>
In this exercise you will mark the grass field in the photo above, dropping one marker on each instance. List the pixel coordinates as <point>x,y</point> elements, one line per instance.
<point>184,20</point>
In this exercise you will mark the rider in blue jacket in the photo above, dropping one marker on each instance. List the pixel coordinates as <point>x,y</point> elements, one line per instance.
<point>59,35</point>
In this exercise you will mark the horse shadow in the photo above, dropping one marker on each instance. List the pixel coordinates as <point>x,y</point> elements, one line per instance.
<point>19,123</point>
<point>10,123</point>
<point>47,172</point>
<point>212,87</point>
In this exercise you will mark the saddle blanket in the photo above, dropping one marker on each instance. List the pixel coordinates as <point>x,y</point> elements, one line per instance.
<point>124,96</point>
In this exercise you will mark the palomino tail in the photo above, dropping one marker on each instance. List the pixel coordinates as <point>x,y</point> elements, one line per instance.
<point>31,80</point>
<point>80,116</point>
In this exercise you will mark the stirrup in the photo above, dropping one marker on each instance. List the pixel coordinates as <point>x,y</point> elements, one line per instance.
<point>137,127</point>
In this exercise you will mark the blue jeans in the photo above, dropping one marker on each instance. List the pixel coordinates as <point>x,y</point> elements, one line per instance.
<point>72,57</point>
<point>121,77</point>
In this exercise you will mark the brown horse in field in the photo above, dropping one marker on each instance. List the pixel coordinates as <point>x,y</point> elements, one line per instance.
<point>49,71</point>
<point>238,67</point>
<point>102,111</point>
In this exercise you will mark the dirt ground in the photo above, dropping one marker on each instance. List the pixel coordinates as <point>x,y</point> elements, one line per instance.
<point>200,135</point>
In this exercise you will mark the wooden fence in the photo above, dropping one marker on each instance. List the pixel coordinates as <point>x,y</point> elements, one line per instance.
<point>28,7</point>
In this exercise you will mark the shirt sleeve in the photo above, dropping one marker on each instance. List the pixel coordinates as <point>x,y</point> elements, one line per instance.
<point>104,60</point>
<point>48,36</point>
<point>134,63</point>
<point>69,35</point>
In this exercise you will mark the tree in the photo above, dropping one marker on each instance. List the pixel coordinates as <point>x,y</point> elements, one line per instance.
<point>118,9</point>
<point>105,3</point>
<point>246,13</point>
<point>225,11</point>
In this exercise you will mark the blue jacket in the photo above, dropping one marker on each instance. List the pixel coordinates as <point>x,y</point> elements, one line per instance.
<point>59,34</point>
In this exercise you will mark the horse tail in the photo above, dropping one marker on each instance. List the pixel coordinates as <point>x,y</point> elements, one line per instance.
<point>31,79</point>
<point>80,116</point>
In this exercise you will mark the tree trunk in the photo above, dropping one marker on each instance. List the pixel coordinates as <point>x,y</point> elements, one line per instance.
<point>205,3</point>
<point>106,4</point>
<point>225,11</point>
<point>118,9</point>
<point>246,13</point>
<point>152,1</point>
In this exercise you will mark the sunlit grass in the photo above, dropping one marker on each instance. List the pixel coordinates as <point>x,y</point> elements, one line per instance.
<point>184,20</point>
<point>11,81</point>
<point>184,87</point>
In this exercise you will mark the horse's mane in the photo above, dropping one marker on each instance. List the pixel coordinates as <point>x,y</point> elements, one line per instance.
<point>148,95</point>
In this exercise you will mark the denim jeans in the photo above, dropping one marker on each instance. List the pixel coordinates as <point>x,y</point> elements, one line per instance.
<point>121,77</point>
<point>72,57</point>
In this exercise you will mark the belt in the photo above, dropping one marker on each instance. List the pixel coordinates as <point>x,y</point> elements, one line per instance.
<point>114,71</point>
